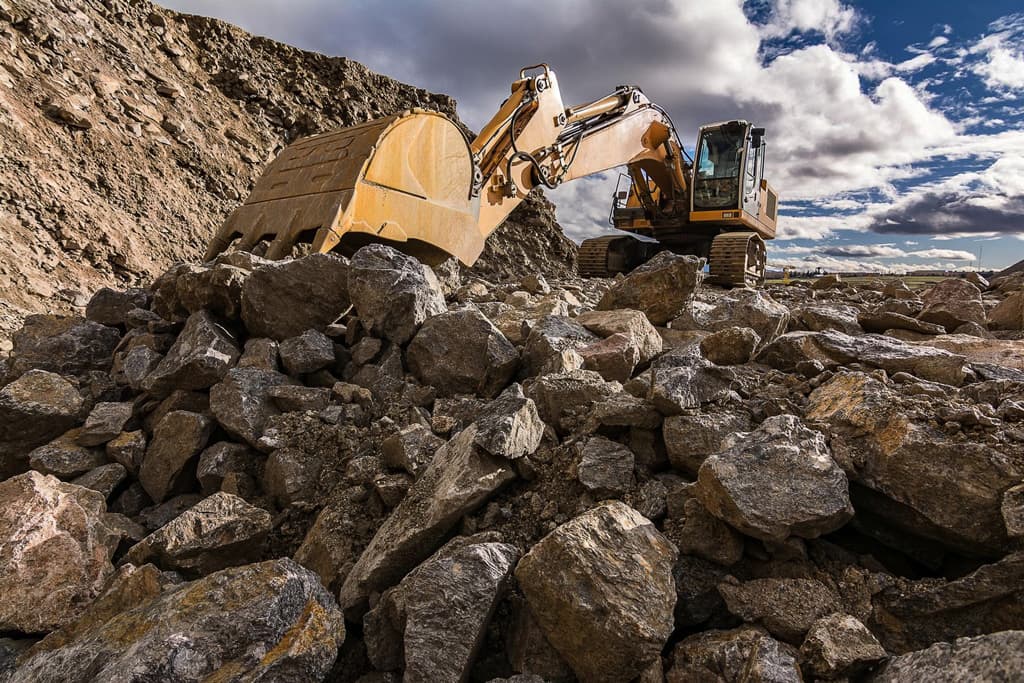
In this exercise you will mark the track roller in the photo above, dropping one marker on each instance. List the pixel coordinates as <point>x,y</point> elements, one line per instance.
<point>737,259</point>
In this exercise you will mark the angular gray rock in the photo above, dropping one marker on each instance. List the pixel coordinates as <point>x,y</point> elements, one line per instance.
<point>128,448</point>
<point>951,303</point>
<point>692,437</point>
<point>839,646</point>
<point>600,586</point>
<point>662,288</point>
<point>564,399</point>
<point>624,321</point>
<point>614,357</point>
<point>222,459</point>
<point>730,345</point>
<point>510,426</point>
<point>291,475</point>
<point>178,437</point>
<point>203,353</point>
<point>938,487</point>
<point>308,352</point>
<point>695,531</point>
<point>220,531</point>
<point>282,299</point>
<point>1008,313</point>
<point>880,321</point>
<point>55,550</point>
<point>271,621</point>
<point>993,657</point>
<point>682,381</point>
<point>103,479</point>
<point>432,624</point>
<point>261,353</point>
<point>217,289</point>
<point>462,352</point>
<point>459,478</point>
<point>834,317</point>
<point>551,338</point>
<point>64,458</point>
<point>410,449</point>
<point>748,308</point>
<point>34,409</point>
<point>776,481</point>
<point>105,421</point>
<point>786,607</point>
<point>110,306</point>
<point>393,293</point>
<point>65,345</point>
<point>241,403</point>
<point>605,467</point>
<point>835,348</point>
<point>736,656</point>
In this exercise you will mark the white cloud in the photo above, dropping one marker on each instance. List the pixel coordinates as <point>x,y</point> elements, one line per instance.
<point>938,41</point>
<point>1002,52</point>
<point>952,254</point>
<point>828,17</point>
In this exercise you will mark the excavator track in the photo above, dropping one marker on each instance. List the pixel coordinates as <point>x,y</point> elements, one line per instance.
<point>592,257</point>
<point>737,259</point>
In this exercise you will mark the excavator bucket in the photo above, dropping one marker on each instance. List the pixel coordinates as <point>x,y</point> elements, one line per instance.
<point>405,179</point>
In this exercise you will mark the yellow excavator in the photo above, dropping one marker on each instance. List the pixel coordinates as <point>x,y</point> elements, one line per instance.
<point>416,181</point>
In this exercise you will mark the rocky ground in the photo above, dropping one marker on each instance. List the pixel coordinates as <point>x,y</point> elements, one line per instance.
<point>363,470</point>
<point>129,132</point>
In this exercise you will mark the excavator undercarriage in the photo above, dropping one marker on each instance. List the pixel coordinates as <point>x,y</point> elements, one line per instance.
<point>416,181</point>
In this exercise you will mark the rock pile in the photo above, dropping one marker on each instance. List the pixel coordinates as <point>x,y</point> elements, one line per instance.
<point>130,132</point>
<point>345,470</point>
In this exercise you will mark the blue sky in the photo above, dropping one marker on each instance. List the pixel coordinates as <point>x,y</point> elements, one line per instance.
<point>894,128</point>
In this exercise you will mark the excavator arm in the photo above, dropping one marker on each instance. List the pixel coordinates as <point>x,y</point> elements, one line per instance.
<point>414,180</point>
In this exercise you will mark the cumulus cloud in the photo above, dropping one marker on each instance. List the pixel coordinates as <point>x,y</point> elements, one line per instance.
<point>1002,51</point>
<point>831,18</point>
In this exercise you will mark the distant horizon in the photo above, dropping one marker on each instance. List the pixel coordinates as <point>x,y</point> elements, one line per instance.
<point>895,130</point>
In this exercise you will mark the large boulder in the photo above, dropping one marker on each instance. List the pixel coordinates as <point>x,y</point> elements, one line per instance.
<point>202,354</point>
<point>106,421</point>
<point>282,299</point>
<point>432,624</point>
<point>393,293</point>
<point>634,324</point>
<point>994,657</point>
<point>553,345</point>
<point>1009,313</point>
<point>831,349</point>
<point>65,345</point>
<point>692,437</point>
<point>178,438</point>
<point>730,345</point>
<point>931,484</point>
<point>748,308</point>
<point>216,288</point>
<point>111,306</point>
<point>308,352</point>
<point>55,550</point>
<point>736,656</point>
<point>510,425</point>
<point>839,646</point>
<point>565,399</point>
<point>220,531</point>
<point>787,608</point>
<point>614,358</point>
<point>600,586</point>
<point>462,352</point>
<point>776,481</point>
<point>271,621</point>
<point>64,458</point>
<point>662,288</point>
<point>242,403</point>
<point>34,409</point>
<point>459,478</point>
<point>951,303</point>
<point>678,382</point>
